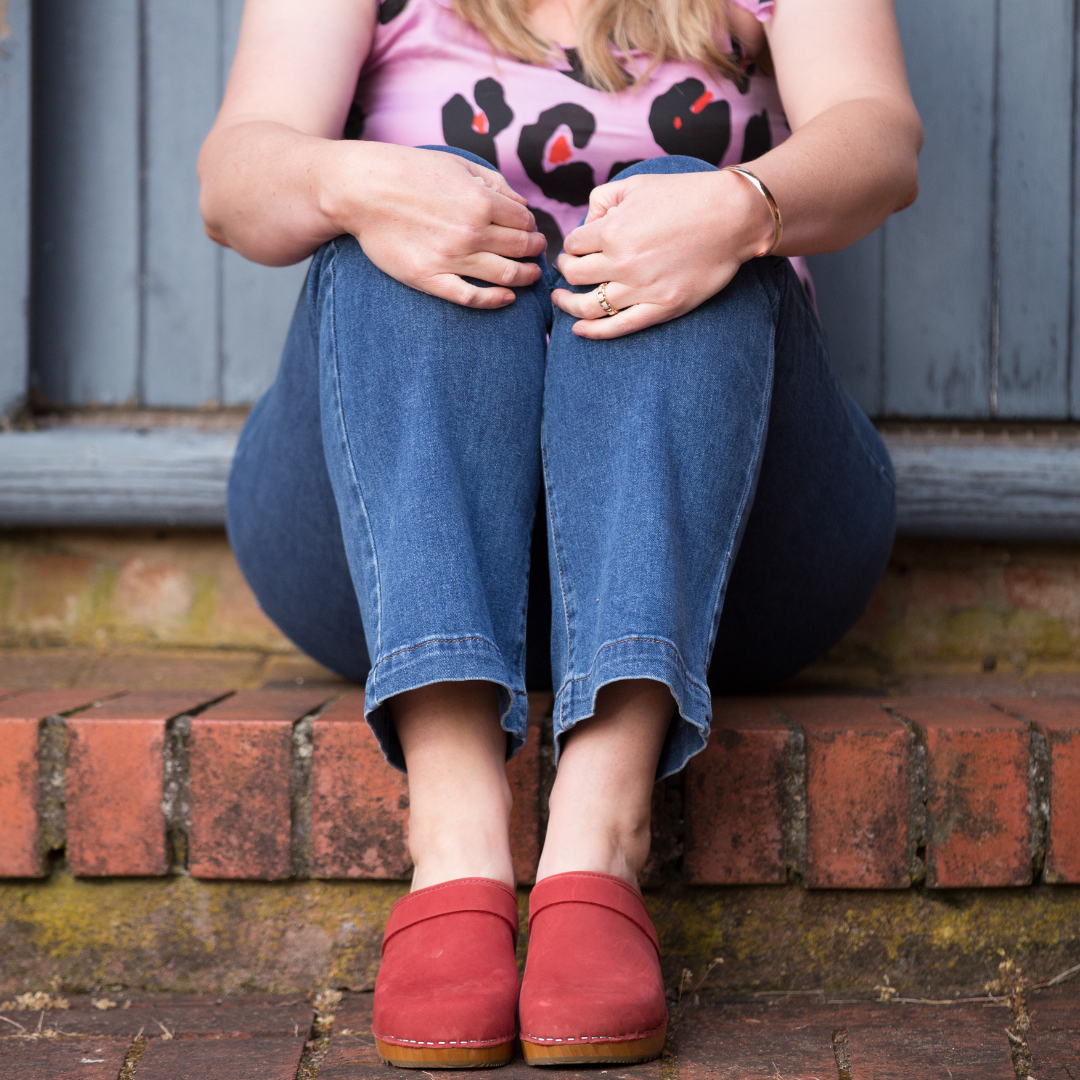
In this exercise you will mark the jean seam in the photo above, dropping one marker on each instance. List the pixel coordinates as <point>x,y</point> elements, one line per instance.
<point>622,641</point>
<point>436,641</point>
<point>558,556</point>
<point>751,482</point>
<point>351,460</point>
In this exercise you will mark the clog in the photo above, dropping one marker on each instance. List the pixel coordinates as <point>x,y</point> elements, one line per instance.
<point>447,989</point>
<point>592,991</point>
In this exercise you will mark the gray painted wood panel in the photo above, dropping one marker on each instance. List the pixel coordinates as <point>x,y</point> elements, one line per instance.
<point>181,360</point>
<point>109,477</point>
<point>85,312</point>
<point>949,486</point>
<point>1034,163</point>
<point>937,253</point>
<point>15,53</point>
<point>257,301</point>
<point>849,286</point>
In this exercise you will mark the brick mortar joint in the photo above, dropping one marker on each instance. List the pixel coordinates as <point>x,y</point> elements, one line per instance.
<point>1039,795</point>
<point>796,829</point>
<point>52,785</point>
<point>301,758</point>
<point>176,793</point>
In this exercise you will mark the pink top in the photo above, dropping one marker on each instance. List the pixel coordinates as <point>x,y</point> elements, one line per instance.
<point>431,79</point>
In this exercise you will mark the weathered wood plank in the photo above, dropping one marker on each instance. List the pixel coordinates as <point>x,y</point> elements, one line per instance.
<point>969,487</point>
<point>1033,205</point>
<point>849,287</point>
<point>86,200</point>
<point>15,55</point>
<point>937,253</point>
<point>181,359</point>
<point>257,304</point>
<point>257,301</point>
<point>95,476</point>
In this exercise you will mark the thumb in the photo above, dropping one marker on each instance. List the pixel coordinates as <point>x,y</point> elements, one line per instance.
<point>604,197</point>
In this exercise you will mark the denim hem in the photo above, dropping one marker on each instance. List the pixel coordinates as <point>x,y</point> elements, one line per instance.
<point>641,658</point>
<point>457,659</point>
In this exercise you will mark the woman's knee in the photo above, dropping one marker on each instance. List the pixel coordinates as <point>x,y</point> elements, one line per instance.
<point>669,164</point>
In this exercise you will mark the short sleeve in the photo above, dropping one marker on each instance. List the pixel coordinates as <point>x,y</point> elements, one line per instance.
<point>760,9</point>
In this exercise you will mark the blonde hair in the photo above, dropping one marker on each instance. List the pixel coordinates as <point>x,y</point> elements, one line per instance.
<point>688,30</point>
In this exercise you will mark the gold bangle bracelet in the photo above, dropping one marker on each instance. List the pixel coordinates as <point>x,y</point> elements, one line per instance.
<point>778,222</point>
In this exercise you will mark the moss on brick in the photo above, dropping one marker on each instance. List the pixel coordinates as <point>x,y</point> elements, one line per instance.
<point>179,934</point>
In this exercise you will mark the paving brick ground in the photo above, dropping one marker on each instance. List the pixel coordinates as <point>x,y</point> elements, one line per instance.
<point>261,1037</point>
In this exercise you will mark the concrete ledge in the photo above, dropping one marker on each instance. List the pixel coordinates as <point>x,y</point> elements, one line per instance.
<point>965,485</point>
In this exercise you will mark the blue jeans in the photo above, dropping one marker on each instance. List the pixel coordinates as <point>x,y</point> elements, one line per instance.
<point>718,510</point>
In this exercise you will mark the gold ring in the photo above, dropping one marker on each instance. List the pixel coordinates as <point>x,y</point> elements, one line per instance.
<point>602,300</point>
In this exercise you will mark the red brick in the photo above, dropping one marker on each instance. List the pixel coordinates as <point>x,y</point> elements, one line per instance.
<point>62,1059</point>
<point>957,1042</point>
<point>978,814</point>
<point>239,791</point>
<point>222,1059</point>
<point>115,781</point>
<point>857,793</point>
<point>1058,718</point>
<point>752,1042</point>
<point>359,803</point>
<point>20,718</point>
<point>734,810</point>
<point>523,772</point>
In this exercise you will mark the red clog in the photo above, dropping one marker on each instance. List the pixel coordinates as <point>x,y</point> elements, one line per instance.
<point>446,994</point>
<point>593,991</point>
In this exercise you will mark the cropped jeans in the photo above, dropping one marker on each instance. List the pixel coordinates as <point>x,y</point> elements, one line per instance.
<point>434,493</point>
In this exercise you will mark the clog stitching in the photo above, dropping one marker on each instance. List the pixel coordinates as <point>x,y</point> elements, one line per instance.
<point>444,1042</point>
<point>597,1038</point>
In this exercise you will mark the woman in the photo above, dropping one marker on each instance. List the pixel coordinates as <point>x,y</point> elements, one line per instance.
<point>717,510</point>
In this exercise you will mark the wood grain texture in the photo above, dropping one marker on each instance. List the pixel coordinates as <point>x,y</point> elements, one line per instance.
<point>85,318</point>
<point>937,253</point>
<point>992,489</point>
<point>14,201</point>
<point>1033,207</point>
<point>183,277</point>
<point>849,286</point>
<point>94,476</point>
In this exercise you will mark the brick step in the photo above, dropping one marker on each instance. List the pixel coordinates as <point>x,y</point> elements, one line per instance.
<point>838,792</point>
<point>166,1037</point>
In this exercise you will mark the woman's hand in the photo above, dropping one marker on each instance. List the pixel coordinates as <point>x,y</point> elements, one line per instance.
<point>665,244</point>
<point>431,219</point>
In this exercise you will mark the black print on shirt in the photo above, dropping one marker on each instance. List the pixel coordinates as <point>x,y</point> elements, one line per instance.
<point>619,166</point>
<point>758,139</point>
<point>686,120</point>
<point>567,181</point>
<point>546,224</point>
<point>354,123</point>
<point>390,9</point>
<point>476,131</point>
<point>577,70</point>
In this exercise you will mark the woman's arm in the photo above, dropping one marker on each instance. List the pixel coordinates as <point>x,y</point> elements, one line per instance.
<point>668,243</point>
<point>276,181</point>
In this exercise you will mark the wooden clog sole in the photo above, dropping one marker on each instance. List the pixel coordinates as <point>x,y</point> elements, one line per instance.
<point>456,1057</point>
<point>594,1053</point>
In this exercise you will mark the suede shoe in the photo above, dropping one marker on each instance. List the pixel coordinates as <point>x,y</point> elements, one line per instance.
<point>447,989</point>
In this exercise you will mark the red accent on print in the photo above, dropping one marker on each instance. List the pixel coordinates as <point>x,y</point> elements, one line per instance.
<point>560,151</point>
<point>678,123</point>
<point>480,123</point>
<point>701,102</point>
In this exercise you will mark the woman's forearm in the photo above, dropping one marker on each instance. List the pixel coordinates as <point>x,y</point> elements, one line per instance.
<point>268,191</point>
<point>838,177</point>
